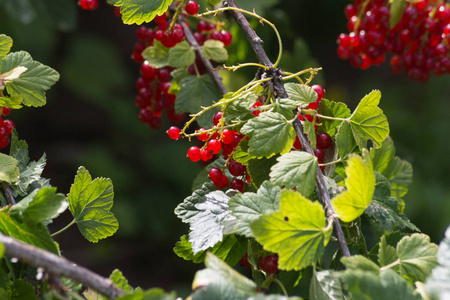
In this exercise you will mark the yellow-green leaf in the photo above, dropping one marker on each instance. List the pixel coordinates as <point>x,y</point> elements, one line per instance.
<point>9,171</point>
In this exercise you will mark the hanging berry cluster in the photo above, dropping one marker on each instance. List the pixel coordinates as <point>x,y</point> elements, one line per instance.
<point>153,86</point>
<point>419,38</point>
<point>6,127</point>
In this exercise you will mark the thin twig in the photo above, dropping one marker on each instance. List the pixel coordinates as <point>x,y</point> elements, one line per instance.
<point>278,86</point>
<point>59,266</point>
<point>8,193</point>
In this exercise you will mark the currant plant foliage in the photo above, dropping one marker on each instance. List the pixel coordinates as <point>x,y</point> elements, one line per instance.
<point>294,182</point>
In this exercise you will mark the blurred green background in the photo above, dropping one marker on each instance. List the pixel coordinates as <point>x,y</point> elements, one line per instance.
<point>91,120</point>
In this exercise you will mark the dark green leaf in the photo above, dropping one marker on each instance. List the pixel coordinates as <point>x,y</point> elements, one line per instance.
<point>325,285</point>
<point>310,131</point>
<point>285,106</point>
<point>239,110</point>
<point>21,289</point>
<point>345,142</point>
<point>259,169</point>
<point>386,253</point>
<point>332,109</point>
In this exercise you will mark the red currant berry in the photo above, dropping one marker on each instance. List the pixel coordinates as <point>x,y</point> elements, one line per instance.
<point>163,75</point>
<point>204,136</point>
<point>214,146</point>
<point>319,90</point>
<point>173,132</point>
<point>238,185</point>
<point>191,8</point>
<point>194,153</point>
<point>205,154</point>
<point>226,38</point>
<point>297,144</point>
<point>155,123</point>
<point>244,262</point>
<point>160,19</point>
<point>217,117</point>
<point>269,263</point>
<point>236,168</point>
<point>215,174</point>
<point>148,72</point>
<point>88,4</point>
<point>9,125</point>
<point>319,153</point>
<point>248,179</point>
<point>323,140</point>
<point>173,117</point>
<point>227,136</point>
<point>4,142</point>
<point>6,111</point>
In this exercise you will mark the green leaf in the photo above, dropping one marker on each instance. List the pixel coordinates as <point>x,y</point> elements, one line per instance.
<point>325,285</point>
<point>9,172</point>
<point>21,289</point>
<point>151,294</point>
<point>214,2</point>
<point>157,55</point>
<point>345,142</point>
<point>335,110</point>
<point>5,45</point>
<point>385,209</point>
<point>19,150</point>
<point>359,262</point>
<point>29,174</point>
<point>297,232</point>
<point>438,284</point>
<point>34,234</point>
<point>220,281</point>
<point>396,11</point>
<point>360,184</point>
<point>417,256</point>
<point>310,131</point>
<point>368,121</point>
<point>120,281</point>
<point>32,84</point>
<point>386,253</point>
<point>90,202</point>
<point>300,93</point>
<point>214,50</point>
<point>258,169</point>
<point>197,92</point>
<point>181,55</point>
<point>296,169</point>
<point>230,250</point>
<point>239,110</point>
<point>140,11</point>
<point>270,133</point>
<point>2,250</point>
<point>207,213</point>
<point>248,207</point>
<point>285,106</point>
<point>13,102</point>
<point>364,285</point>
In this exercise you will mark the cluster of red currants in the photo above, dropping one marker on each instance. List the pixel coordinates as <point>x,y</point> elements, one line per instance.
<point>268,263</point>
<point>6,127</point>
<point>419,42</point>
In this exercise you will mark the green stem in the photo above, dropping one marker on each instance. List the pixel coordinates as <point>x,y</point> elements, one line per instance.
<point>58,232</point>
<point>295,75</point>
<point>261,19</point>
<point>330,163</point>
<point>234,68</point>
<point>392,264</point>
<point>330,118</point>
<point>175,16</point>
<point>268,281</point>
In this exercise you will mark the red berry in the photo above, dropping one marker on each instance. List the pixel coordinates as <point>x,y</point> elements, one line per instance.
<point>6,111</point>
<point>88,4</point>
<point>248,179</point>
<point>205,154</point>
<point>173,132</point>
<point>214,146</point>
<point>148,72</point>
<point>226,38</point>
<point>297,144</point>
<point>163,75</point>
<point>223,183</point>
<point>217,117</point>
<point>9,125</point>
<point>323,140</point>
<point>204,136</point>
<point>269,263</point>
<point>319,90</point>
<point>236,168</point>
<point>319,153</point>
<point>244,262</point>
<point>191,8</point>
<point>4,142</point>
<point>160,19</point>
<point>215,174</point>
<point>238,185</point>
<point>227,136</point>
<point>155,123</point>
<point>173,117</point>
<point>194,153</point>
<point>202,26</point>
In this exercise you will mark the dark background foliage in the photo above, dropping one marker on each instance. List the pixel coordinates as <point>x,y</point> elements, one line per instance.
<point>91,120</point>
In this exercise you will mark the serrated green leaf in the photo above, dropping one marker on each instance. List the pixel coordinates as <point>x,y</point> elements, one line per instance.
<point>177,75</point>
<point>5,45</point>
<point>9,171</point>
<point>157,55</point>
<point>29,174</point>
<point>13,102</point>
<point>382,156</point>
<point>332,109</point>
<point>140,11</point>
<point>386,253</point>
<point>368,121</point>
<point>90,202</point>
<point>35,234</point>
<point>19,150</point>
<point>345,143</point>
<point>248,207</point>
<point>21,289</point>
<point>270,133</point>
<point>214,50</point>
<point>417,256</point>
<point>241,156</point>
<point>220,281</point>
<point>396,11</point>
<point>360,184</point>
<point>181,55</point>
<point>207,213</point>
<point>297,232</point>
<point>295,169</point>
<point>230,250</point>
<point>239,110</point>
<point>359,262</point>
<point>33,83</point>
<point>300,93</point>
<point>120,281</point>
<point>385,209</point>
<point>325,285</point>
<point>197,92</point>
<point>258,169</point>
<point>285,106</point>
<point>310,132</point>
<point>438,284</point>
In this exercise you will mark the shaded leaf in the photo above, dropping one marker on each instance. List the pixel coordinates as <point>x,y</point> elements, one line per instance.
<point>259,169</point>
<point>332,109</point>
<point>386,253</point>
<point>345,142</point>
<point>181,55</point>
<point>239,110</point>
<point>9,172</point>
<point>214,50</point>
<point>157,55</point>
<point>325,285</point>
<point>300,93</point>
